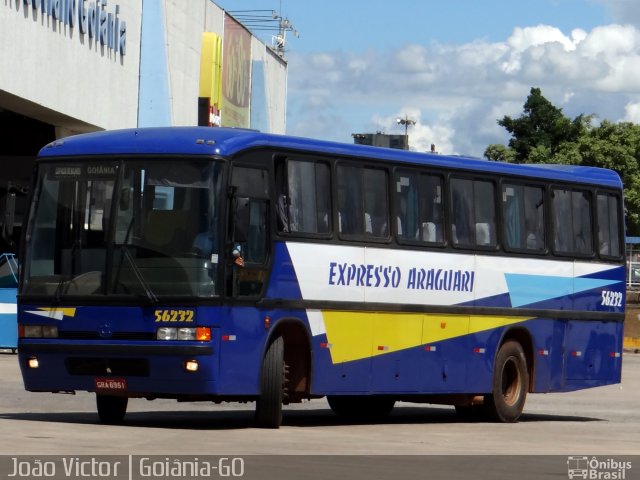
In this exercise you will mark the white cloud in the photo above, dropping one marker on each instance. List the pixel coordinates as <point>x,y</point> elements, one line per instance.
<point>460,91</point>
<point>413,59</point>
<point>523,38</point>
<point>610,42</point>
<point>632,112</point>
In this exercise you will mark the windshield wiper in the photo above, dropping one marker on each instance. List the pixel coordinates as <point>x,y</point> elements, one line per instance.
<point>136,271</point>
<point>134,267</point>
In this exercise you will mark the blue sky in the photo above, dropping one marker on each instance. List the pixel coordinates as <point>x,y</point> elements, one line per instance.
<point>360,25</point>
<point>456,66</point>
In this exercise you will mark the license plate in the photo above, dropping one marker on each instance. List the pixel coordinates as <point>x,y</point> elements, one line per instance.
<point>111,384</point>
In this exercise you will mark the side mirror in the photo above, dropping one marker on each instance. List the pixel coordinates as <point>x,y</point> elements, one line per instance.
<point>241,219</point>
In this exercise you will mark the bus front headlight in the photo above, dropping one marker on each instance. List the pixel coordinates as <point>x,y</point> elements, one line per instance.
<point>38,331</point>
<point>167,333</point>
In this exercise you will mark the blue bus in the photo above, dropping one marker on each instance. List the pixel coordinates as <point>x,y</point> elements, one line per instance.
<point>14,181</point>
<point>212,264</point>
<point>8,307</point>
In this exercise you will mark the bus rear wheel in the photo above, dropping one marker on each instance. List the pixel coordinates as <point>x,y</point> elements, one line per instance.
<point>510,384</point>
<point>361,407</point>
<point>111,409</point>
<point>272,386</point>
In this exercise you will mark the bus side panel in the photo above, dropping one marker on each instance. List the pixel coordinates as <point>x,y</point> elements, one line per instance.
<point>480,356</point>
<point>547,335</point>
<point>444,367</point>
<point>283,282</point>
<point>593,353</point>
<point>436,369</point>
<point>465,363</point>
<point>342,377</point>
<point>342,351</point>
<point>402,369</point>
<point>243,342</point>
<point>608,296</point>
<point>389,352</point>
<point>325,376</point>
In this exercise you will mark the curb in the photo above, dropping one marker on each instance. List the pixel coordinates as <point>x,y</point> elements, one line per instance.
<point>631,343</point>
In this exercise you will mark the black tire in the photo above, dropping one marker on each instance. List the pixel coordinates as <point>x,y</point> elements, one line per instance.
<point>111,409</point>
<point>361,408</point>
<point>510,384</point>
<point>272,386</point>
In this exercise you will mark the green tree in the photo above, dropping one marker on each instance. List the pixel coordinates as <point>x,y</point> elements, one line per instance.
<point>500,153</point>
<point>541,124</point>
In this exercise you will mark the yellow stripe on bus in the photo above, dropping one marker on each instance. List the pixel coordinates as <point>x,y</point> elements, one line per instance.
<point>67,312</point>
<point>359,335</point>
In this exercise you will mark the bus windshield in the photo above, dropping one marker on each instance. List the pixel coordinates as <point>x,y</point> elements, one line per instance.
<point>143,228</point>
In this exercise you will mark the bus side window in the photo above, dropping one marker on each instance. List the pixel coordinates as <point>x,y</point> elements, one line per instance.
<point>473,215</point>
<point>485,213</point>
<point>376,203</point>
<point>581,204</point>
<point>362,201</point>
<point>461,212</point>
<point>523,213</point>
<point>304,197</point>
<point>350,211</point>
<point>608,226</point>
<point>562,227</point>
<point>572,221</point>
<point>418,207</point>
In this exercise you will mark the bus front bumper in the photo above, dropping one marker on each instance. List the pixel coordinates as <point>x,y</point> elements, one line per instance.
<point>142,369</point>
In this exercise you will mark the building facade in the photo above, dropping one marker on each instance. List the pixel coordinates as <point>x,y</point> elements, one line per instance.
<point>73,66</point>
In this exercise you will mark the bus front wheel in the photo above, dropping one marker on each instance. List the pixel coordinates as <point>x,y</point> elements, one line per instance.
<point>111,409</point>
<point>272,385</point>
<point>510,384</point>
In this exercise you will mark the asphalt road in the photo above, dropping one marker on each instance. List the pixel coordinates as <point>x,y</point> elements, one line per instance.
<point>599,422</point>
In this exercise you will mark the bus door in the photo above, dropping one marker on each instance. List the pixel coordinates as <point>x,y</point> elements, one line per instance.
<point>248,232</point>
<point>247,253</point>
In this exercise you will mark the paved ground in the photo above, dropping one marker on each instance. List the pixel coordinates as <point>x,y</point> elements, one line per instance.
<point>603,420</point>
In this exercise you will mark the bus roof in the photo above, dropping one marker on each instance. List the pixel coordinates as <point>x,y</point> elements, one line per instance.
<point>229,141</point>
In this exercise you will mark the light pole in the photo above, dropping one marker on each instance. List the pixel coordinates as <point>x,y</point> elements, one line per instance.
<point>406,121</point>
